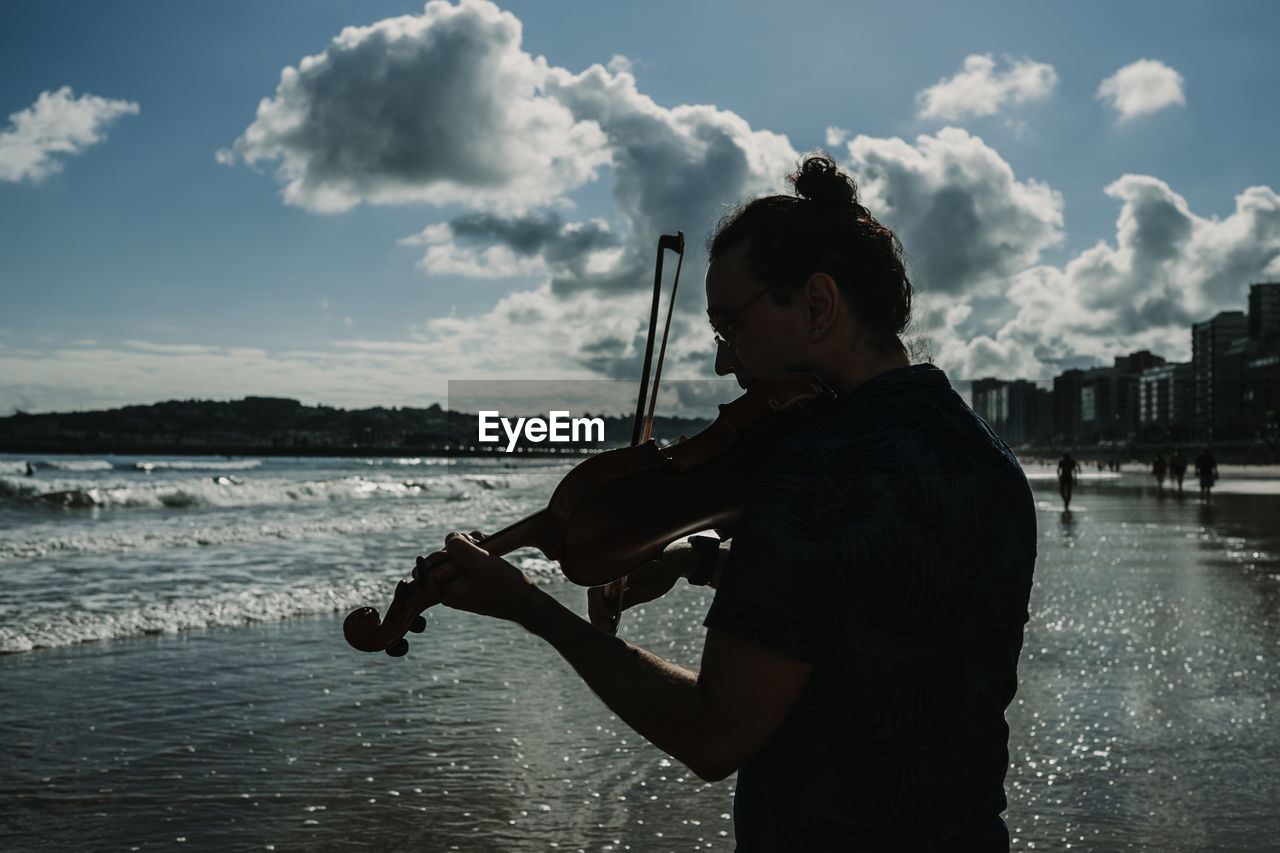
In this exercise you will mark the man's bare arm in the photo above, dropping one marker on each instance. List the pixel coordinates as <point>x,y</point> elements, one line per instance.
<point>711,721</point>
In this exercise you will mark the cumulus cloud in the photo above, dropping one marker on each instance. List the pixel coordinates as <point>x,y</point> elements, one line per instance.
<point>1166,269</point>
<point>363,123</point>
<point>1141,88</point>
<point>966,221</point>
<point>673,169</point>
<point>58,123</point>
<point>978,89</point>
<point>439,107</point>
<point>485,245</point>
<point>446,107</point>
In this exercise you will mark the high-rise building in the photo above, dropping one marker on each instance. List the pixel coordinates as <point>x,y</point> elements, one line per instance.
<point>1264,311</point>
<point>1165,397</point>
<point>1030,411</point>
<point>1137,362</point>
<point>1066,403</point>
<point>1019,411</point>
<point>991,402</point>
<point>1217,388</point>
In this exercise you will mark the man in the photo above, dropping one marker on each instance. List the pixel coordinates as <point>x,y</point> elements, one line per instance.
<point>1178,467</point>
<point>863,641</point>
<point>1068,469</point>
<point>1207,471</point>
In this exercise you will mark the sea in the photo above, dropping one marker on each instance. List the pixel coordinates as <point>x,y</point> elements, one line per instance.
<point>173,673</point>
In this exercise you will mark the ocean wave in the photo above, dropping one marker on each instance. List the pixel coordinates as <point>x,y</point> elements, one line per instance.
<point>406,461</point>
<point>68,626</point>
<point>10,466</point>
<point>162,539</point>
<point>233,491</point>
<point>71,627</point>
<point>19,466</point>
<point>102,539</point>
<point>149,465</point>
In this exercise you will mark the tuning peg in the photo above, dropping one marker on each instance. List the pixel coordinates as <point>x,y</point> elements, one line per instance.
<point>418,625</point>
<point>399,648</point>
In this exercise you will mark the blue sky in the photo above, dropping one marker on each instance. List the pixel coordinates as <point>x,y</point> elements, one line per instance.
<point>209,200</point>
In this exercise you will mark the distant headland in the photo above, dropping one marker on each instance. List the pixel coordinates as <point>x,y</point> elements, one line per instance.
<point>280,426</point>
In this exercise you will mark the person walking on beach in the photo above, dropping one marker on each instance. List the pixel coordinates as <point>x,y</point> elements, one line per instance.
<point>1158,469</point>
<point>1178,467</point>
<point>1068,469</point>
<point>1207,471</point>
<point>863,640</point>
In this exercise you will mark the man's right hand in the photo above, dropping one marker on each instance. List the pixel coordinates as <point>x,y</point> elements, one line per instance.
<point>646,582</point>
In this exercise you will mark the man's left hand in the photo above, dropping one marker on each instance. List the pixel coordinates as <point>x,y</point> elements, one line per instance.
<point>484,584</point>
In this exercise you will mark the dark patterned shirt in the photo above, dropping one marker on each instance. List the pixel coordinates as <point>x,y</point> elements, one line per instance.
<point>890,542</point>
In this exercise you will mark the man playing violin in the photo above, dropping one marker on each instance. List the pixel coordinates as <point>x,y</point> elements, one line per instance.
<point>863,642</point>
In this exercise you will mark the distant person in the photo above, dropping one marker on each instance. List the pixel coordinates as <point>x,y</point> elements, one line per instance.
<point>1207,471</point>
<point>1067,470</point>
<point>1178,467</point>
<point>31,472</point>
<point>1158,469</point>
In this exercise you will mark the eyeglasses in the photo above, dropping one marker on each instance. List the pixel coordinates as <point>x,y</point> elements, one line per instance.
<point>722,321</point>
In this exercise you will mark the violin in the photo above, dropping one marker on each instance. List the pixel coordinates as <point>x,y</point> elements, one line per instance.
<point>621,508</point>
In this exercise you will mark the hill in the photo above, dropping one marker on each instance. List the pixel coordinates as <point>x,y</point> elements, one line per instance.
<point>276,425</point>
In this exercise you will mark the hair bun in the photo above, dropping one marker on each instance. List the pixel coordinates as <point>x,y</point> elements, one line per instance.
<point>822,182</point>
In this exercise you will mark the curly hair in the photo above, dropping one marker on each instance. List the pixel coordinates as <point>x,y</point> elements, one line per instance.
<point>823,228</point>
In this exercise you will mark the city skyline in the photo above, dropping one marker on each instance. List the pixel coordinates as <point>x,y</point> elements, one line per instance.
<point>353,204</point>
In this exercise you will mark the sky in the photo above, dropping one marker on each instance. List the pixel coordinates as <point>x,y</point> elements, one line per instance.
<point>354,203</point>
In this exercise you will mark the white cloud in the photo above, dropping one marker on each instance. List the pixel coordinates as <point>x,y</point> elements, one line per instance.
<point>975,233</point>
<point>1166,269</point>
<point>483,245</point>
<point>445,107</point>
<point>620,64</point>
<point>965,220</point>
<point>56,124</point>
<point>673,169</point>
<point>1141,88</point>
<point>978,89</point>
<point>438,107</point>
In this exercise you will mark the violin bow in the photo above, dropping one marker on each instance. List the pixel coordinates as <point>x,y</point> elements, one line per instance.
<point>643,426</point>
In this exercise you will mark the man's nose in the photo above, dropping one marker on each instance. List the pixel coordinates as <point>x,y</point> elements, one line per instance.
<point>726,360</point>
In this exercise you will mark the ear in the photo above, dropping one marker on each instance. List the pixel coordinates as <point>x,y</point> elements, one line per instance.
<point>821,297</point>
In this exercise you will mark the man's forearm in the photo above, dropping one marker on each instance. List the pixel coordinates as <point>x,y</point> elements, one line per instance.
<point>658,699</point>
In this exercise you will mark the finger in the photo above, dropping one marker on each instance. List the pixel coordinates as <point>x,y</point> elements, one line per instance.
<point>436,581</point>
<point>476,535</point>
<point>463,550</point>
<point>422,565</point>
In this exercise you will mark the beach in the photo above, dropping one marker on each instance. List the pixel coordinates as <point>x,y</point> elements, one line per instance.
<point>177,676</point>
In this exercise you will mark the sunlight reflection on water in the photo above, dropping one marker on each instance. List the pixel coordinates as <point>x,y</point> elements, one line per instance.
<point>1143,719</point>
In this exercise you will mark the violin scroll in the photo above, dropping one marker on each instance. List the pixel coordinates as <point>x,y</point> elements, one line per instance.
<point>367,632</point>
